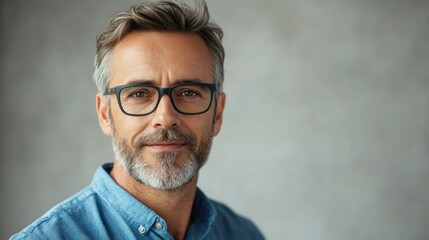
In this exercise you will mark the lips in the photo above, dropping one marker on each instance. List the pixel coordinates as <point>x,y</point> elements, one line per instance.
<point>166,146</point>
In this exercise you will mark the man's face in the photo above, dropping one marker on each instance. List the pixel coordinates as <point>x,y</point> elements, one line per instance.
<point>164,149</point>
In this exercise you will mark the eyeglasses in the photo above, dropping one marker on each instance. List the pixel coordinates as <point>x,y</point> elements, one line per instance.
<point>140,99</point>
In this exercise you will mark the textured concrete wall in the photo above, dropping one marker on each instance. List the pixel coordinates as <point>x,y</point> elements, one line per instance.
<point>326,131</point>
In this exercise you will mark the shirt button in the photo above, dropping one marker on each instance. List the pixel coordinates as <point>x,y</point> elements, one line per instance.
<point>142,229</point>
<point>158,225</point>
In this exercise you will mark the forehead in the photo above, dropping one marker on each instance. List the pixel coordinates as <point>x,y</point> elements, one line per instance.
<point>161,57</point>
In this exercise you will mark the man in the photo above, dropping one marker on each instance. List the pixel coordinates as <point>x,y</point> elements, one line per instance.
<point>159,72</point>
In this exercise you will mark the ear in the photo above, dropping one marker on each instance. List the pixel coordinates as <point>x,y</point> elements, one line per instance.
<point>102,113</point>
<point>219,113</point>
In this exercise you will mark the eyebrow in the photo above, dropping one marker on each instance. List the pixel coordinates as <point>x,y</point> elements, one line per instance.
<point>152,82</point>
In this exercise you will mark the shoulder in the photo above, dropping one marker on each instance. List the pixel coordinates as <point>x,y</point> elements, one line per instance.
<point>229,223</point>
<point>63,218</point>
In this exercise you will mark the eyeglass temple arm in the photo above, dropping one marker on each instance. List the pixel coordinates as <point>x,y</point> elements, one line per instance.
<point>108,91</point>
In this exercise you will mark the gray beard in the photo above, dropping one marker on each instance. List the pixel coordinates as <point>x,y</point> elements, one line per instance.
<point>167,173</point>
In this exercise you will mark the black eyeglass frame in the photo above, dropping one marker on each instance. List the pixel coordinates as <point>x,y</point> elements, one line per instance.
<point>161,91</point>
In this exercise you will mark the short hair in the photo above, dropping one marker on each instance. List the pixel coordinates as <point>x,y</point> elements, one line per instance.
<point>162,16</point>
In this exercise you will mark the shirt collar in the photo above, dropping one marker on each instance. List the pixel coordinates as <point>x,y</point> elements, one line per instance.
<point>132,211</point>
<point>202,217</point>
<point>137,214</point>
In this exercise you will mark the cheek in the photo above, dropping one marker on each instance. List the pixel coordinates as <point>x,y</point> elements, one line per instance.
<point>202,128</point>
<point>128,127</point>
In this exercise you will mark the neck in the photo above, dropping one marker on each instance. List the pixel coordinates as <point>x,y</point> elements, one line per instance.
<point>173,206</point>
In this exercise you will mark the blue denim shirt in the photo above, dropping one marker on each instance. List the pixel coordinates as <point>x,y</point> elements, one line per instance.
<point>104,210</point>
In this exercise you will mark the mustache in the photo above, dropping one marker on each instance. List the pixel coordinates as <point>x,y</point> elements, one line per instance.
<point>163,135</point>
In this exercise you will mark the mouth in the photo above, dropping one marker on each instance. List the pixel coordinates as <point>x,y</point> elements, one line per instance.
<point>165,146</point>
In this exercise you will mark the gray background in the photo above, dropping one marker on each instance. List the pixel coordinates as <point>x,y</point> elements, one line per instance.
<point>326,129</point>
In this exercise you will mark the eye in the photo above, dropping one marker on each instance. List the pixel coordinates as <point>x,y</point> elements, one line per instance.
<point>189,93</point>
<point>139,94</point>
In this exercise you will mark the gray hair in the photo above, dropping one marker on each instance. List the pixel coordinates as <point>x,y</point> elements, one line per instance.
<point>163,16</point>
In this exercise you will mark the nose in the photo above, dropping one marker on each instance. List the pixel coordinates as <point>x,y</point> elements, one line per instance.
<point>165,116</point>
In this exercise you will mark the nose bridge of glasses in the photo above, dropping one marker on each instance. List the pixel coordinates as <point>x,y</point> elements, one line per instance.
<point>165,91</point>
<point>162,92</point>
